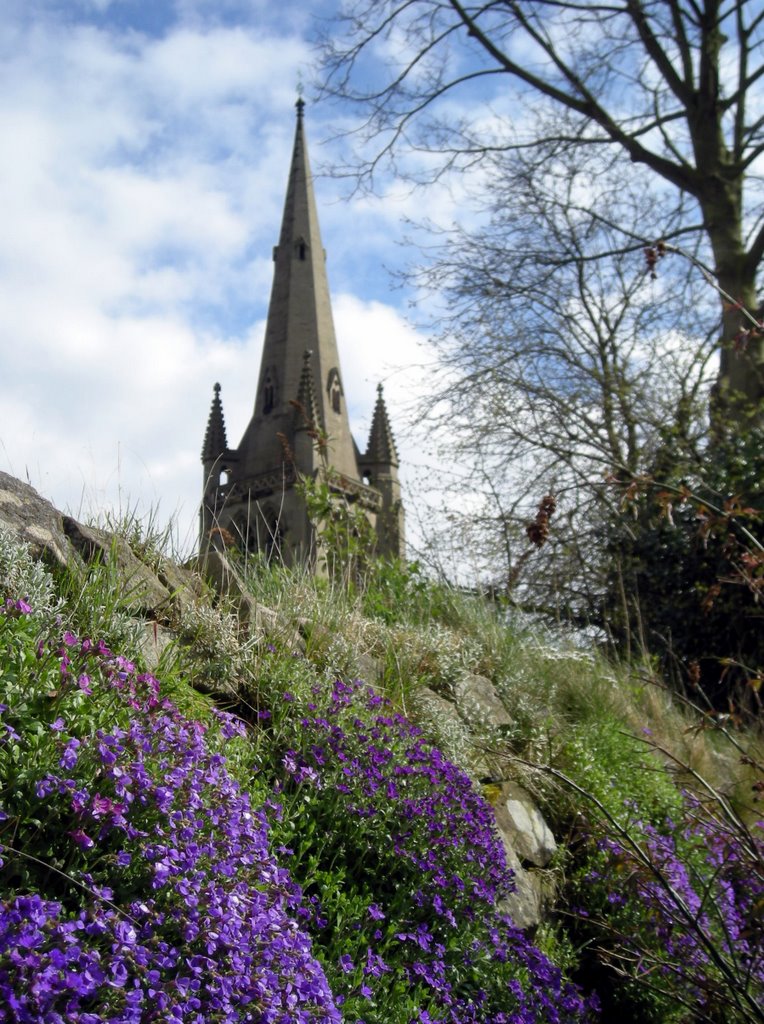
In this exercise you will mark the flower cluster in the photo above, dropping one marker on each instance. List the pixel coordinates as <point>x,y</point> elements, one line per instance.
<point>687,913</point>
<point>440,829</point>
<point>139,881</point>
<point>706,893</point>
<point>422,869</point>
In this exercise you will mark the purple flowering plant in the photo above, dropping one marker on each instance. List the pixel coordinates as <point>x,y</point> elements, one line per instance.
<point>137,878</point>
<point>401,869</point>
<point>666,892</point>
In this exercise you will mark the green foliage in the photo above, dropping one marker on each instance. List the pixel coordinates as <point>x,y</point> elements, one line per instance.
<point>23,576</point>
<point>98,603</point>
<point>688,572</point>
<point>345,537</point>
<point>339,835</point>
<point>397,592</point>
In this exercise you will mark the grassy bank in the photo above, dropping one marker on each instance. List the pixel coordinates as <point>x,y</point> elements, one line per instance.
<point>251,832</point>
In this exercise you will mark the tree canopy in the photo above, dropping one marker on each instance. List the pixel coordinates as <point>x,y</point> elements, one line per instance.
<point>673,87</point>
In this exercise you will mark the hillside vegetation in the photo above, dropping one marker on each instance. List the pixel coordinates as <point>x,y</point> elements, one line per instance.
<point>250,831</point>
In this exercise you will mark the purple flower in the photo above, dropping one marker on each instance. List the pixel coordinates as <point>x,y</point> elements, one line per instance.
<point>68,758</point>
<point>82,839</point>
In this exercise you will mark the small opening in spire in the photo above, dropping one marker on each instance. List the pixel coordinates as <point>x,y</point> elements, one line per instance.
<point>269,394</point>
<point>334,388</point>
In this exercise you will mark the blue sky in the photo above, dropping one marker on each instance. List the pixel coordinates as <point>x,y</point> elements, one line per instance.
<point>146,152</point>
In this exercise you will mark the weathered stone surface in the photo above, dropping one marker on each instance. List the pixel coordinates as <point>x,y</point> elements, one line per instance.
<point>522,825</point>
<point>526,904</point>
<point>153,642</point>
<point>370,669</point>
<point>185,587</point>
<point>216,567</point>
<point>268,623</point>
<point>441,717</point>
<point>35,521</point>
<point>141,590</point>
<point>226,579</point>
<point>478,702</point>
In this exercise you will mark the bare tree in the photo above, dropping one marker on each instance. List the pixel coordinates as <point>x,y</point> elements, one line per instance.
<point>562,366</point>
<point>673,87</point>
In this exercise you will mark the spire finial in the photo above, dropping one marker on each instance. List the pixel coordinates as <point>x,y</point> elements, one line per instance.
<point>215,443</point>
<point>300,104</point>
<point>381,447</point>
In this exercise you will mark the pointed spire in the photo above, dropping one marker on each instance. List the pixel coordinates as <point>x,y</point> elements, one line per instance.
<point>299,318</point>
<point>215,442</point>
<point>307,415</point>
<point>381,447</point>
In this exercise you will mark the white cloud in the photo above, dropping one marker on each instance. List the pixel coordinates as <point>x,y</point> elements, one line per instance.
<point>142,196</point>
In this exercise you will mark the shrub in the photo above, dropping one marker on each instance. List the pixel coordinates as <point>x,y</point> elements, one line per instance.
<point>665,889</point>
<point>137,879</point>
<point>401,868</point>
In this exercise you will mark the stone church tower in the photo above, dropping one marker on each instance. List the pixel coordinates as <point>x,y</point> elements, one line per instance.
<point>249,491</point>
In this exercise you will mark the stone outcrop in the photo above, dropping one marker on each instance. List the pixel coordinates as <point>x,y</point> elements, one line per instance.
<point>142,591</point>
<point>158,594</point>
<point>34,520</point>
<point>522,823</point>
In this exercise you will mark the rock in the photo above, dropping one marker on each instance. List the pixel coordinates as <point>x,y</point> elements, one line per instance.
<point>153,641</point>
<point>185,587</point>
<point>479,704</point>
<point>441,717</point>
<point>370,669</point>
<point>522,825</point>
<point>217,567</point>
<point>35,521</point>
<point>140,589</point>
<point>526,905</point>
<point>269,624</point>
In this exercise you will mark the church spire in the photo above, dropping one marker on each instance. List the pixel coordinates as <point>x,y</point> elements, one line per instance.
<point>300,425</point>
<point>381,447</point>
<point>215,443</point>
<point>299,318</point>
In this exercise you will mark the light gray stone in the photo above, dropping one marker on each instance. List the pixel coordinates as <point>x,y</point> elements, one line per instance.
<point>522,825</point>
<point>478,702</point>
<point>154,640</point>
<point>441,717</point>
<point>185,587</point>
<point>35,521</point>
<point>216,567</point>
<point>526,904</point>
<point>269,624</point>
<point>370,669</point>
